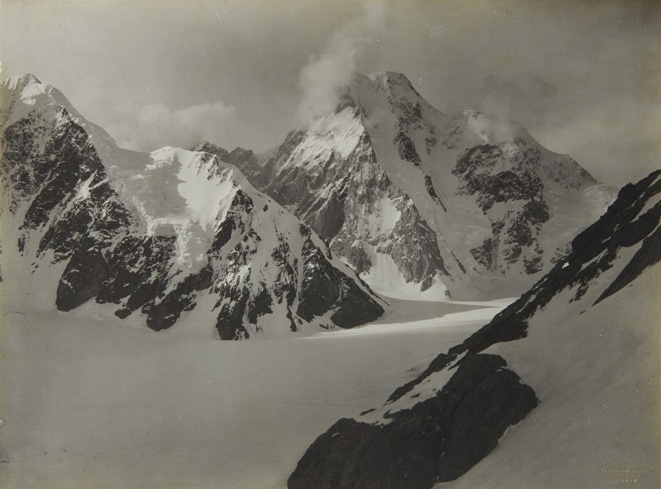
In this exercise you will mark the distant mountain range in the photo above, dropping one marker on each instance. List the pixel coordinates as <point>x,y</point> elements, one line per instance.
<point>159,233</point>
<point>419,202</point>
<point>392,196</point>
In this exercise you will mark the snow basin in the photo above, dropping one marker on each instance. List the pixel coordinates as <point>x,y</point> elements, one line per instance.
<point>96,402</point>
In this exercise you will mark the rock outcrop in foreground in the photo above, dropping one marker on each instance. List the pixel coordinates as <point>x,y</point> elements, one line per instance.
<point>569,334</point>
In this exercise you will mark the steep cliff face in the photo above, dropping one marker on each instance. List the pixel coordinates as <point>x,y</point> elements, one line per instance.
<point>329,177</point>
<point>333,181</point>
<point>463,205</point>
<point>158,233</point>
<point>54,183</point>
<point>566,349</point>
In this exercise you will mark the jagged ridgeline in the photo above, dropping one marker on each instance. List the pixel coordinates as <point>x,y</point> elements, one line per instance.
<point>579,349</point>
<point>157,234</point>
<point>418,201</point>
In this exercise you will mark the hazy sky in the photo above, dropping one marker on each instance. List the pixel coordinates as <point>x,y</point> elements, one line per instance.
<point>584,76</point>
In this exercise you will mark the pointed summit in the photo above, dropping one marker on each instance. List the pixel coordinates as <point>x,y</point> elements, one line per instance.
<point>384,80</point>
<point>22,81</point>
<point>393,81</point>
<point>418,201</point>
<point>384,89</point>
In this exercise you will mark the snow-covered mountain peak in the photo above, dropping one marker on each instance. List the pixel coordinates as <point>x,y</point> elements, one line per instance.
<point>26,84</point>
<point>390,81</point>
<point>387,78</point>
<point>29,90</point>
<point>177,184</point>
<point>339,133</point>
<point>388,91</point>
<point>187,195</point>
<point>26,97</point>
<point>21,80</point>
<point>387,81</point>
<point>486,202</point>
<point>158,232</point>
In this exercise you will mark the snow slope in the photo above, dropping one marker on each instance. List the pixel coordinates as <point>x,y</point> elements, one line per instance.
<point>597,424</point>
<point>559,390</point>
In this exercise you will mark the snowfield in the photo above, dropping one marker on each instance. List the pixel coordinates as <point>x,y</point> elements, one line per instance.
<point>92,401</point>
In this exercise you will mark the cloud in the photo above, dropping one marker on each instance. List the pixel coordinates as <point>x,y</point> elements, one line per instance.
<point>322,79</point>
<point>629,155</point>
<point>156,125</point>
<point>529,96</point>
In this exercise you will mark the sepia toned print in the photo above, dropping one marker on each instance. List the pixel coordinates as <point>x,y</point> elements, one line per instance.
<point>341,245</point>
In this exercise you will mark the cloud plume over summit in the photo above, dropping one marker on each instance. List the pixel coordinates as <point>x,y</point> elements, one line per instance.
<point>323,77</point>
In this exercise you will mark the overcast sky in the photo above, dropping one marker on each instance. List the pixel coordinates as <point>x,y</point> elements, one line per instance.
<point>583,76</point>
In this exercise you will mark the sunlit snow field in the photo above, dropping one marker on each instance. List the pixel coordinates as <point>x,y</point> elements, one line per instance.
<point>91,401</point>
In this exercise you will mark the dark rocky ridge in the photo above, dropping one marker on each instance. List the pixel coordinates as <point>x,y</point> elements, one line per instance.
<point>440,437</point>
<point>519,181</point>
<point>58,191</point>
<point>437,440</point>
<point>593,252</point>
<point>47,180</point>
<point>242,158</point>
